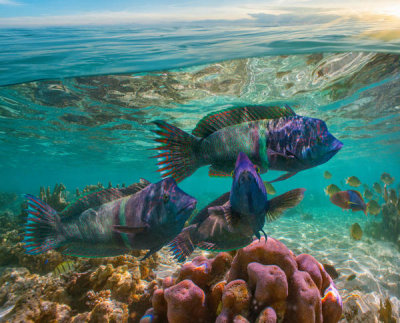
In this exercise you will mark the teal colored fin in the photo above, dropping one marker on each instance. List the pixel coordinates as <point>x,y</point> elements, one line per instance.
<point>41,228</point>
<point>281,203</point>
<point>182,246</point>
<point>232,116</point>
<point>177,156</point>
<point>86,250</point>
<point>128,230</point>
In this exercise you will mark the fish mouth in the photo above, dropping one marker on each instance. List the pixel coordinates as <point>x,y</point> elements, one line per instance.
<point>336,146</point>
<point>190,205</point>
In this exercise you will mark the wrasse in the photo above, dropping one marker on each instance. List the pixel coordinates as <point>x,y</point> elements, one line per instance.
<point>110,222</point>
<point>272,137</point>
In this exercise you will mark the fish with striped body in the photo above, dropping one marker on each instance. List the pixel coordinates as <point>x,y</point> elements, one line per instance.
<point>272,137</point>
<point>141,216</point>
<point>64,267</point>
<point>230,221</point>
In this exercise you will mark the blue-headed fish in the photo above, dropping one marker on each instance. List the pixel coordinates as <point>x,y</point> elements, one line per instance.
<point>272,137</point>
<point>110,222</point>
<point>350,200</point>
<point>230,221</point>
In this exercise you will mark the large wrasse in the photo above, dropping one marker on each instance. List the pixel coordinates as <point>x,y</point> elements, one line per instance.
<point>110,222</point>
<point>230,221</point>
<point>272,137</point>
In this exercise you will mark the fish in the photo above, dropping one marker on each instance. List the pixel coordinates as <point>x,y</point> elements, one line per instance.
<point>64,267</point>
<point>331,189</point>
<point>385,193</point>
<point>373,207</point>
<point>327,175</point>
<point>353,181</point>
<point>368,194</point>
<point>274,138</point>
<point>230,221</point>
<point>270,189</point>
<point>387,179</point>
<point>350,200</point>
<point>351,277</point>
<point>356,231</point>
<point>331,271</point>
<point>378,188</point>
<point>393,196</point>
<point>110,222</point>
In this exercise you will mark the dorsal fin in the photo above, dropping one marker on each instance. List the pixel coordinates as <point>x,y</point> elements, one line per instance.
<point>228,117</point>
<point>97,198</point>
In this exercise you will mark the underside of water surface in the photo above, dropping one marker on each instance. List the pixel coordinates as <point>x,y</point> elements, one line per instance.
<point>86,130</point>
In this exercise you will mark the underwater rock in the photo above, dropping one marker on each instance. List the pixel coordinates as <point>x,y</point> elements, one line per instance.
<point>267,315</point>
<point>235,301</point>
<point>304,301</point>
<point>269,284</point>
<point>385,311</point>
<point>185,303</point>
<point>203,272</point>
<point>265,283</point>
<point>270,252</point>
<point>356,231</point>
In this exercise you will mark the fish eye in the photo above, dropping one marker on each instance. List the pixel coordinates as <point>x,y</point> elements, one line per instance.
<point>257,169</point>
<point>232,173</point>
<point>165,198</point>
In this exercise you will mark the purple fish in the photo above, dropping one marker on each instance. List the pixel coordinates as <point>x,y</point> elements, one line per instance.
<point>230,221</point>
<point>148,218</point>
<point>272,137</point>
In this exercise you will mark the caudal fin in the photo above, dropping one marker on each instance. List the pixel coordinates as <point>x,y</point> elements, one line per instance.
<point>41,232</point>
<point>177,158</point>
<point>281,203</point>
<point>182,246</point>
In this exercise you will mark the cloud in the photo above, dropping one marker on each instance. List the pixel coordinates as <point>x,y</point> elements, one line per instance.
<point>9,3</point>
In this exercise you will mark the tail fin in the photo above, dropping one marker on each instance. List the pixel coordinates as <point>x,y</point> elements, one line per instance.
<point>177,158</point>
<point>182,246</point>
<point>281,203</point>
<point>41,227</point>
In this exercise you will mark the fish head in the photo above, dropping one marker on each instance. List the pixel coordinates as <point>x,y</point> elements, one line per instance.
<point>170,206</point>
<point>305,142</point>
<point>248,193</point>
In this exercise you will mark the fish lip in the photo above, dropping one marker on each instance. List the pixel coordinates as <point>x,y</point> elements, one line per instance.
<point>338,145</point>
<point>187,206</point>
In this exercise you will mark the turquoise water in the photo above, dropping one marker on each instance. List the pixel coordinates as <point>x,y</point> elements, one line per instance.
<point>77,105</point>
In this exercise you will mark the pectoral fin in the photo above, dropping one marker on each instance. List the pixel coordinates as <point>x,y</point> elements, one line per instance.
<point>128,230</point>
<point>281,203</point>
<point>283,177</point>
<point>219,214</point>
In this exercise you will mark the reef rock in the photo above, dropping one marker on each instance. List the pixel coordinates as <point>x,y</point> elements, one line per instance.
<point>265,282</point>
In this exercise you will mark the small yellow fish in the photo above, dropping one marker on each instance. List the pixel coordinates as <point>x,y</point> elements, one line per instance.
<point>378,188</point>
<point>387,178</point>
<point>373,207</point>
<point>331,189</point>
<point>270,189</point>
<point>64,267</point>
<point>353,181</point>
<point>356,231</point>
<point>327,175</point>
<point>368,194</point>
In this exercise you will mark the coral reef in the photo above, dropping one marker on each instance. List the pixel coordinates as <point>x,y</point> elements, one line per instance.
<point>56,199</point>
<point>264,282</point>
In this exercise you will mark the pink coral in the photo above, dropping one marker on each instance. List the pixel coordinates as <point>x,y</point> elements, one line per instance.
<point>185,303</point>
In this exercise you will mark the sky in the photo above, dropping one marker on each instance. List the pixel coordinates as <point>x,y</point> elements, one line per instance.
<point>72,12</point>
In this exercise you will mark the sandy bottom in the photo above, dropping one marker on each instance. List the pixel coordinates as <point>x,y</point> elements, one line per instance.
<point>376,264</point>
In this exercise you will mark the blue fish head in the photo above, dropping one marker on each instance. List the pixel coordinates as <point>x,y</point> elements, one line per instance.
<point>248,194</point>
<point>310,144</point>
<point>170,206</point>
